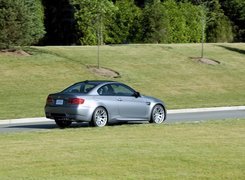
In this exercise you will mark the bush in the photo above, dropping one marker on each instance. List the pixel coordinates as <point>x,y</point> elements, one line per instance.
<point>235,11</point>
<point>219,27</point>
<point>171,22</point>
<point>124,26</point>
<point>153,23</point>
<point>36,16</point>
<point>92,17</point>
<point>21,22</point>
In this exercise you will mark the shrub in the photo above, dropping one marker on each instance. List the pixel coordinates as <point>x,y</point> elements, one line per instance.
<point>153,22</point>
<point>92,17</point>
<point>21,22</point>
<point>125,23</point>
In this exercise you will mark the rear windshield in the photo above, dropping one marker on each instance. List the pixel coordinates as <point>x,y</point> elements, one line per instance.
<point>82,87</point>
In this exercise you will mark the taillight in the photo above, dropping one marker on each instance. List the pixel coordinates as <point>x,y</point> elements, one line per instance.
<point>76,101</point>
<point>49,100</point>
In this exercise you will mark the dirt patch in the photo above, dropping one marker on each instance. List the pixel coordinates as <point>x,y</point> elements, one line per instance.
<point>104,72</point>
<point>205,61</point>
<point>14,52</point>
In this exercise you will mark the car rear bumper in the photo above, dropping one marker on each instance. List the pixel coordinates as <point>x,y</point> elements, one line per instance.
<point>78,113</point>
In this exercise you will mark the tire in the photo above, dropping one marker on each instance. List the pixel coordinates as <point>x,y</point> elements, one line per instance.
<point>158,114</point>
<point>62,123</point>
<point>100,117</point>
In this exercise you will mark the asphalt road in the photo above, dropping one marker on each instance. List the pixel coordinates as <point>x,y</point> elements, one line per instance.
<point>173,117</point>
<point>202,116</point>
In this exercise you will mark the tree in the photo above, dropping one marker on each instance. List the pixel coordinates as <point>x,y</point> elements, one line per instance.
<point>182,22</point>
<point>219,27</point>
<point>21,22</point>
<point>192,19</point>
<point>153,22</point>
<point>91,17</point>
<point>235,11</point>
<point>175,22</point>
<point>124,27</point>
<point>36,15</point>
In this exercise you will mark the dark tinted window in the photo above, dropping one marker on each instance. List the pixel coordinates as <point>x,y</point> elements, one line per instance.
<point>106,90</point>
<point>80,88</point>
<point>115,90</point>
<point>122,90</point>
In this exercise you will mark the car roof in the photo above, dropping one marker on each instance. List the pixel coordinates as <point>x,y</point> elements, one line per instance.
<point>96,81</point>
<point>99,81</point>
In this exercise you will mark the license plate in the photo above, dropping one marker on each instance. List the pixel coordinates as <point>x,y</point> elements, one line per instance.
<point>59,102</point>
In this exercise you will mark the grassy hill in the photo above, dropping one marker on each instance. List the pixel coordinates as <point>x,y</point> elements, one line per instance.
<point>164,71</point>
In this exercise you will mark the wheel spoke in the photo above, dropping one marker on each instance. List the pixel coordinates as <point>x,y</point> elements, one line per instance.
<point>158,114</point>
<point>100,117</point>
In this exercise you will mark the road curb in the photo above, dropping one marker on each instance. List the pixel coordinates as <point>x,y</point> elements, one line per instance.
<point>176,111</point>
<point>24,120</point>
<point>212,109</point>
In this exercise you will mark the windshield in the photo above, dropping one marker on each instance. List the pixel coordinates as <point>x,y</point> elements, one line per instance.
<point>82,87</point>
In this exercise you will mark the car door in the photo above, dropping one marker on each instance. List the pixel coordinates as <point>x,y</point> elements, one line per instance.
<point>108,99</point>
<point>130,107</point>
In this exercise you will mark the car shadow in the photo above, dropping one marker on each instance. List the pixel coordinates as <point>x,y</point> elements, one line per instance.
<point>32,126</point>
<point>46,126</point>
<point>52,125</point>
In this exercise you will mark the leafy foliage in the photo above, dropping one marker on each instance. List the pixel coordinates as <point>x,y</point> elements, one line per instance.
<point>124,22</point>
<point>124,27</point>
<point>92,16</point>
<point>218,27</point>
<point>20,22</point>
<point>36,16</point>
<point>153,22</point>
<point>235,11</point>
<point>119,21</point>
<point>171,22</point>
<point>193,17</point>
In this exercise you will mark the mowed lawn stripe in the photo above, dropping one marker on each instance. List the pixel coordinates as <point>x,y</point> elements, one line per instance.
<point>208,150</point>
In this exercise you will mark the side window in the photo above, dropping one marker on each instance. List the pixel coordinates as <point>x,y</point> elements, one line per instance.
<point>87,88</point>
<point>74,89</point>
<point>121,90</point>
<point>80,88</point>
<point>106,90</point>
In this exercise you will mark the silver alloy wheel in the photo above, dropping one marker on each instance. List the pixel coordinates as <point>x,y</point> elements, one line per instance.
<point>158,114</point>
<point>100,117</point>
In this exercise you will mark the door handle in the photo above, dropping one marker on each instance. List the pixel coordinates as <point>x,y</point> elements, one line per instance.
<point>119,99</point>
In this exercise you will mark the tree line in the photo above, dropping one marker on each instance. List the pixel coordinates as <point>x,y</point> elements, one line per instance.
<point>66,22</point>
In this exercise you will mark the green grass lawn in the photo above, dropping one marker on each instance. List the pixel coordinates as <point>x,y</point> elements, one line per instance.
<point>207,150</point>
<point>163,71</point>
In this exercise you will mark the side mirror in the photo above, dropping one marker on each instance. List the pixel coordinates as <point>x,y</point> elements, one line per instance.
<point>136,94</point>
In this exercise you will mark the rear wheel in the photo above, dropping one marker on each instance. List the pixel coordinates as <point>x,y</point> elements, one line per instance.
<point>100,117</point>
<point>62,123</point>
<point>158,114</point>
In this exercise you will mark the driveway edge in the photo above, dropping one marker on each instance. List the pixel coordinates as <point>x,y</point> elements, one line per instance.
<point>212,109</point>
<point>24,120</point>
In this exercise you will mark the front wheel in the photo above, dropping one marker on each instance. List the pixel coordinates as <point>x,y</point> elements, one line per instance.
<point>62,123</point>
<point>100,117</point>
<point>158,114</point>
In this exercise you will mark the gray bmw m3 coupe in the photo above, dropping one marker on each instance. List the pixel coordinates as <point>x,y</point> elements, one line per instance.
<point>100,102</point>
